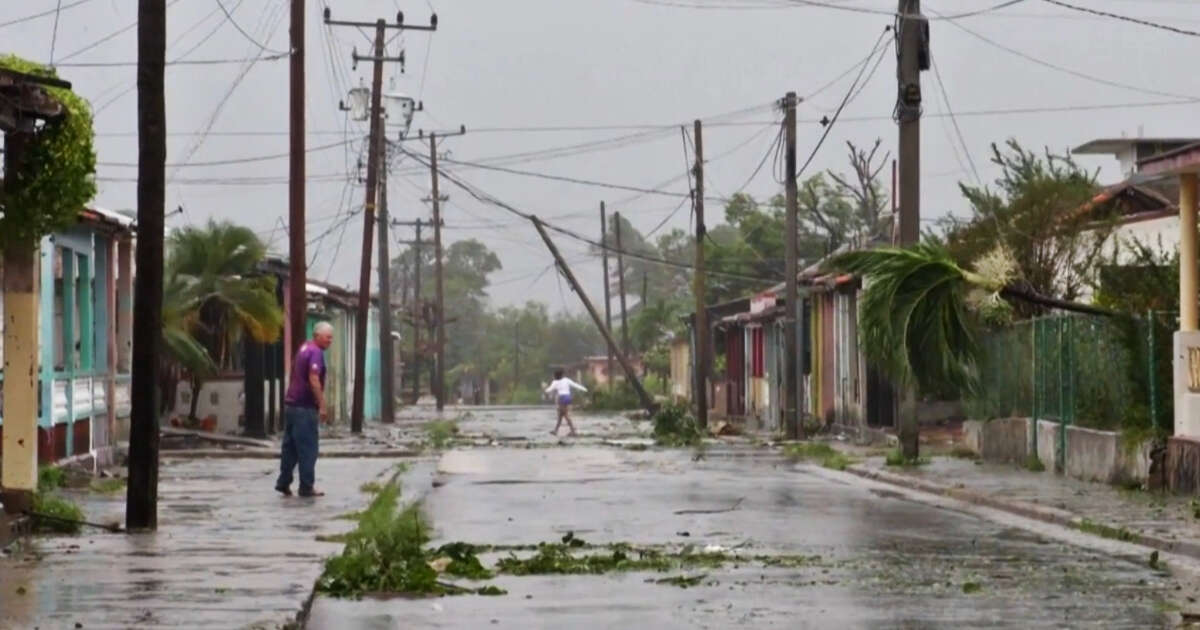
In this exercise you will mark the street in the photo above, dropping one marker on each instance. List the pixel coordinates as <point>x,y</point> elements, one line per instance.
<point>877,557</point>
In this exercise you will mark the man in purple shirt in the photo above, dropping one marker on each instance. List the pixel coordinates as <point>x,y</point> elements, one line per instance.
<point>304,407</point>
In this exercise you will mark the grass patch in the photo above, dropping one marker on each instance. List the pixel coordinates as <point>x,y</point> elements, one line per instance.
<point>51,478</point>
<point>896,458</point>
<point>674,425</point>
<point>1033,464</point>
<point>111,485</point>
<point>971,587</point>
<point>563,559</point>
<point>837,461</point>
<point>682,581</point>
<point>961,451</point>
<point>439,433</point>
<point>371,487</point>
<point>386,554</point>
<point>50,504</point>
<point>828,456</point>
<point>1089,526</point>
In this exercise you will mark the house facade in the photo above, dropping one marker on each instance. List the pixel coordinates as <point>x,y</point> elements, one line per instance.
<point>85,322</point>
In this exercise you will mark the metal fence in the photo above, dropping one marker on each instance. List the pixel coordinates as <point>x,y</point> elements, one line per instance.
<point>1109,373</point>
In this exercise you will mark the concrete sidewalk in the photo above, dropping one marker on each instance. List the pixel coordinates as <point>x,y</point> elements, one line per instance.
<point>229,552</point>
<point>1167,522</point>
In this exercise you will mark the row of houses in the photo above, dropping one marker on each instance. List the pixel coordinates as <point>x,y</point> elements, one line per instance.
<point>85,324</point>
<point>838,387</point>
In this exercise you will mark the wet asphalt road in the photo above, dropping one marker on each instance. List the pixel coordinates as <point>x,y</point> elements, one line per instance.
<point>887,561</point>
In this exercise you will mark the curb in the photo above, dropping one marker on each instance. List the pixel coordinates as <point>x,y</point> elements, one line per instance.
<point>1028,510</point>
<point>274,454</point>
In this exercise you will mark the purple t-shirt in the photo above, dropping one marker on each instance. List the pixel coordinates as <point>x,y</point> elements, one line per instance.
<point>310,359</point>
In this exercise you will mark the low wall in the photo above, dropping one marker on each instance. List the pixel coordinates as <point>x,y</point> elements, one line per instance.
<point>1091,455</point>
<point>999,440</point>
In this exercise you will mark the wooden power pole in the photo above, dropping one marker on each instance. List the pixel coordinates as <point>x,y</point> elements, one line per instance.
<point>607,290</point>
<point>297,307</point>
<point>418,310</point>
<point>141,505</point>
<point>621,287</point>
<point>701,331</point>
<point>387,364</point>
<point>630,374</point>
<point>913,58</point>
<point>437,270</point>
<point>375,150</point>
<point>792,320</point>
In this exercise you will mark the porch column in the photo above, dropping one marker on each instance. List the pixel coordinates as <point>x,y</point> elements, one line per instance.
<point>124,345</point>
<point>1187,340</point>
<point>20,412</point>
<point>1187,252</point>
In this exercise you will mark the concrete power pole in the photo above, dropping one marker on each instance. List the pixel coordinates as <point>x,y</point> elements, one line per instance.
<point>417,308</point>
<point>913,58</point>
<point>792,297</point>
<point>141,505</point>
<point>297,306</point>
<point>701,331</point>
<point>621,287</point>
<point>607,296</point>
<point>376,147</point>
<point>387,365</point>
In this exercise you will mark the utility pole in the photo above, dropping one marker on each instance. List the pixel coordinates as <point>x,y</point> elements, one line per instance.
<point>913,33</point>
<point>141,505</point>
<point>418,310</point>
<point>387,365</point>
<point>792,298</point>
<point>621,288</point>
<point>437,269</point>
<point>297,306</point>
<point>607,280</point>
<point>516,353</point>
<point>701,316</point>
<point>630,373</point>
<point>377,145</point>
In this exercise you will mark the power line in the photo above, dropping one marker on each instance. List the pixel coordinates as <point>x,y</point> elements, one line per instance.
<point>483,197</point>
<point>182,62</point>
<point>845,100</point>
<point>946,99</point>
<point>827,4</point>
<point>54,36</point>
<point>1124,18</point>
<point>1063,69</point>
<point>114,34</point>
<point>55,11</point>
<point>244,160</point>
<point>234,24</point>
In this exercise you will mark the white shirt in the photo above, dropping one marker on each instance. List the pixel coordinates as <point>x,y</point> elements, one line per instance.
<point>563,386</point>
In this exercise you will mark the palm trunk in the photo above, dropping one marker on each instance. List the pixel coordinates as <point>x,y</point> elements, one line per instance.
<point>1031,297</point>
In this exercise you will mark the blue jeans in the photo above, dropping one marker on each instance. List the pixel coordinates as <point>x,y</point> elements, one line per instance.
<point>299,447</point>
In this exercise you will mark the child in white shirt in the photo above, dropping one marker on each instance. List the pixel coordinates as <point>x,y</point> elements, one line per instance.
<point>561,386</point>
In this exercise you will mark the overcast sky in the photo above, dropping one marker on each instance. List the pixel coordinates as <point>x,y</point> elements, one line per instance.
<point>510,70</point>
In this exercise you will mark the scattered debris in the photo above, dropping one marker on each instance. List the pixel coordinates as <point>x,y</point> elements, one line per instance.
<point>731,508</point>
<point>682,581</point>
<point>971,587</point>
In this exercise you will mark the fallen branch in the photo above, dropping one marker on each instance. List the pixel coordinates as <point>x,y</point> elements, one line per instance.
<point>728,509</point>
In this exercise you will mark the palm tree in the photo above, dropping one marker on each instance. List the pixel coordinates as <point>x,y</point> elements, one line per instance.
<point>212,270</point>
<point>920,311</point>
<point>183,355</point>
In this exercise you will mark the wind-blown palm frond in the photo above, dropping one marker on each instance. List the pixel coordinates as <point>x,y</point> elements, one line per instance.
<point>913,317</point>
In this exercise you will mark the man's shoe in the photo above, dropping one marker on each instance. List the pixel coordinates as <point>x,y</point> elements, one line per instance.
<point>287,492</point>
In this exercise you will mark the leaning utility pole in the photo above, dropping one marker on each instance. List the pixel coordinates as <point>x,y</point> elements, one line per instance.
<point>376,146</point>
<point>297,306</point>
<point>387,365</point>
<point>630,374</point>
<point>791,321</point>
<point>141,504</point>
<point>913,58</point>
<point>700,378</point>
<point>607,296</point>
<point>621,287</point>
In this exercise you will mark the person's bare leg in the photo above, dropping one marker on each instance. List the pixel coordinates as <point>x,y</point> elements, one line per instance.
<point>559,423</point>
<point>567,417</point>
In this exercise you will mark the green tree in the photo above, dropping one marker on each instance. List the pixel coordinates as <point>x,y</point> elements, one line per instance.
<point>212,273</point>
